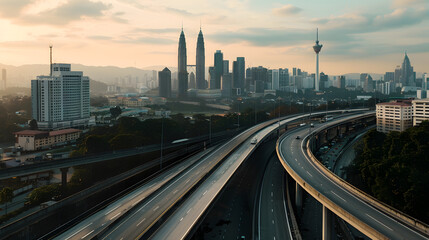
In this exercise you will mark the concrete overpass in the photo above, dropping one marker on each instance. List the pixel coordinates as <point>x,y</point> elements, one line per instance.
<point>371,217</point>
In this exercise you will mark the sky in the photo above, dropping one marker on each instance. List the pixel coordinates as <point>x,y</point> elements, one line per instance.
<point>357,36</point>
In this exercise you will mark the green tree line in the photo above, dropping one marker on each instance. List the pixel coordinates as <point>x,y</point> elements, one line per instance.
<point>395,168</point>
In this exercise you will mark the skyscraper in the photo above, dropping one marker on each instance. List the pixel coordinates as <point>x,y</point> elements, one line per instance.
<point>408,77</point>
<point>164,78</point>
<point>238,70</point>
<point>225,66</point>
<point>201,62</point>
<point>317,49</point>
<point>283,79</point>
<point>192,83</point>
<point>389,76</point>
<point>275,79</point>
<point>218,65</point>
<point>60,100</point>
<point>182,67</point>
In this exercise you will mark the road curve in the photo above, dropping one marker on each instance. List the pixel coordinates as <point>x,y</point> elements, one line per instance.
<point>339,200</point>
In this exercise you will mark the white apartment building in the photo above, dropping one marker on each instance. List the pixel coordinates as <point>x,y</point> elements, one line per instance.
<point>420,111</point>
<point>394,116</point>
<point>61,100</point>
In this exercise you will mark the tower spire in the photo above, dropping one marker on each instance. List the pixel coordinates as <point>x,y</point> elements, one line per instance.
<point>50,59</point>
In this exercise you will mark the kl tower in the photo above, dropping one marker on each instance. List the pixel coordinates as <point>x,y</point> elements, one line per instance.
<point>317,49</point>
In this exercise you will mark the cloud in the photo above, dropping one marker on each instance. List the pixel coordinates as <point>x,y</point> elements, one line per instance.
<point>13,8</point>
<point>407,3</point>
<point>70,11</point>
<point>287,10</point>
<point>180,12</point>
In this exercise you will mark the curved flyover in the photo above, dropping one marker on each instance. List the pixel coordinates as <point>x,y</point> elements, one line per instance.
<point>371,217</point>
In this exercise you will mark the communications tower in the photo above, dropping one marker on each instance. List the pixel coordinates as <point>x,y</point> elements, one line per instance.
<point>317,49</point>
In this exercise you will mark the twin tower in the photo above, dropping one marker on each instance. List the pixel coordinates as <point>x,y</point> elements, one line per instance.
<point>182,65</point>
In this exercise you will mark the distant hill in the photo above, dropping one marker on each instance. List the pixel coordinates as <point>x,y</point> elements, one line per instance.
<point>21,76</point>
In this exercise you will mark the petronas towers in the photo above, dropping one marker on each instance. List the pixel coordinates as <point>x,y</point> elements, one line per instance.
<point>201,62</point>
<point>182,65</point>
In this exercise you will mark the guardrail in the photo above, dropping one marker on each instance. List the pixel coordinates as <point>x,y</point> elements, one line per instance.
<point>363,195</point>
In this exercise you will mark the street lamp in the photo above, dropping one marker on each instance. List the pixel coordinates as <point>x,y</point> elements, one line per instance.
<point>210,130</point>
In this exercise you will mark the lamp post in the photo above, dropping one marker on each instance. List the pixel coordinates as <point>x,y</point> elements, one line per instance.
<point>210,130</point>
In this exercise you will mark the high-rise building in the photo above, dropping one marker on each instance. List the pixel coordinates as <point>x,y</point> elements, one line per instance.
<point>192,83</point>
<point>369,84</point>
<point>258,78</point>
<point>238,70</point>
<point>389,77</point>
<point>408,76</point>
<point>61,100</point>
<point>218,67</point>
<point>394,116</point>
<point>317,49</point>
<point>3,78</point>
<point>275,79</point>
<point>323,81</point>
<point>283,79</point>
<point>425,81</point>
<point>341,82</point>
<point>212,78</point>
<point>226,85</point>
<point>164,78</point>
<point>201,62</point>
<point>182,67</point>
<point>225,66</point>
<point>420,111</point>
<point>397,75</point>
<point>362,79</point>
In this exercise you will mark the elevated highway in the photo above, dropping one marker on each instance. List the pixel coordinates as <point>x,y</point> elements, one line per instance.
<point>358,209</point>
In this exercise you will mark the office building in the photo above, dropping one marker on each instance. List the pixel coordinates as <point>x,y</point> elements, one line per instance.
<point>182,67</point>
<point>61,100</point>
<point>212,78</point>
<point>200,63</point>
<point>192,83</point>
<point>226,85</point>
<point>218,68</point>
<point>275,79</point>
<point>238,70</point>
<point>341,82</point>
<point>425,81</point>
<point>32,140</point>
<point>368,84</point>
<point>389,77</point>
<point>164,78</point>
<point>225,66</point>
<point>394,116</point>
<point>323,81</point>
<point>283,79</point>
<point>408,76</point>
<point>420,111</point>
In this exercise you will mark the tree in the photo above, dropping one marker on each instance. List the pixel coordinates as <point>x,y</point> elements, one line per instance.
<point>43,194</point>
<point>115,111</point>
<point>6,195</point>
<point>33,124</point>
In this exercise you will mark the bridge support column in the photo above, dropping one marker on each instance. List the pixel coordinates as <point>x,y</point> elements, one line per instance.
<point>64,176</point>
<point>298,197</point>
<point>326,223</point>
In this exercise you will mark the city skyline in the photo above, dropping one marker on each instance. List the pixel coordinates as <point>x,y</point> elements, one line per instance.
<point>117,33</point>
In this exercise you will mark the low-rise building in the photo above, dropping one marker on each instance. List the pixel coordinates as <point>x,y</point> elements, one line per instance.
<point>31,140</point>
<point>394,116</point>
<point>420,111</point>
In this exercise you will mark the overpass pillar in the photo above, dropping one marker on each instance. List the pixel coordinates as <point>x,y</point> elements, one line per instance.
<point>298,197</point>
<point>64,176</point>
<point>326,223</point>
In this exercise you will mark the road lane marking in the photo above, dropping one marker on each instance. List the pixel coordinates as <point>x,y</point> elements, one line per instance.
<point>378,222</point>
<point>140,222</point>
<point>338,196</point>
<point>115,216</point>
<point>309,174</point>
<point>77,231</point>
<point>205,193</point>
<point>175,191</point>
<point>86,235</point>
<point>156,208</point>
<point>112,210</point>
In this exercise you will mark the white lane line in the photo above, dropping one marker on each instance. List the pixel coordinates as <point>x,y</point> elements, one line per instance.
<point>86,235</point>
<point>271,194</point>
<point>205,193</point>
<point>188,211</point>
<point>175,191</point>
<point>338,196</point>
<point>115,216</point>
<point>181,219</point>
<point>187,180</point>
<point>156,208</point>
<point>309,174</point>
<point>140,222</point>
<point>379,222</point>
<point>77,231</point>
<point>113,209</point>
